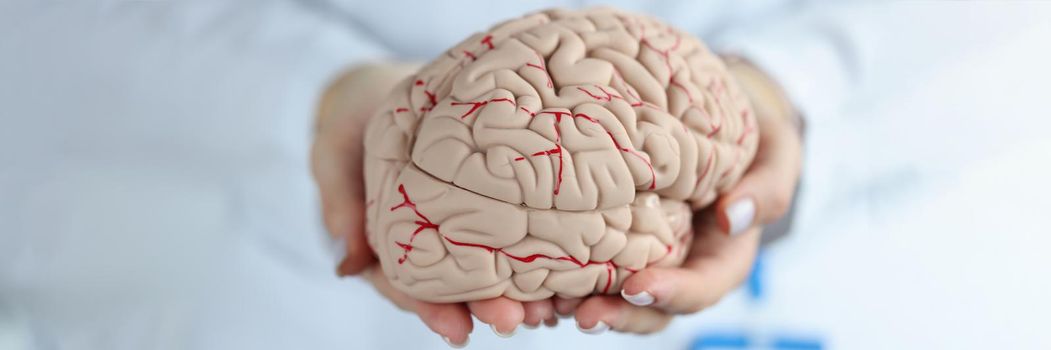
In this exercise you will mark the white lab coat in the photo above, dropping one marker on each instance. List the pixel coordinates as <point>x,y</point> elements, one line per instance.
<point>155,191</point>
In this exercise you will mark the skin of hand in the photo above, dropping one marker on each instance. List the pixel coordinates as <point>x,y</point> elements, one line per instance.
<point>726,235</point>
<point>336,163</point>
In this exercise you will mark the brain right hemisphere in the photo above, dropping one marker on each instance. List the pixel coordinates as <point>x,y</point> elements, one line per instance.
<point>556,153</point>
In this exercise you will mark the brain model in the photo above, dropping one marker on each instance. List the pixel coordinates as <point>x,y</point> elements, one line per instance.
<point>555,154</point>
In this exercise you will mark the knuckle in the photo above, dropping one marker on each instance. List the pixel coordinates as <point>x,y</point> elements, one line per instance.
<point>642,280</point>
<point>662,323</point>
<point>694,308</point>
<point>657,325</point>
<point>701,304</point>
<point>779,203</point>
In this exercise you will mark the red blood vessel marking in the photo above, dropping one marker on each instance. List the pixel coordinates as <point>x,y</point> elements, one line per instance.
<point>631,92</point>
<point>682,243</point>
<point>716,89</point>
<point>424,223</point>
<point>557,151</point>
<point>748,127</point>
<point>531,113</point>
<point>600,98</point>
<point>558,148</point>
<point>689,96</point>
<point>487,41</point>
<point>665,54</point>
<point>707,168</point>
<point>543,68</point>
<point>638,100</point>
<point>715,124</point>
<point>608,98</point>
<point>432,99</point>
<point>653,174</point>
<point>715,127</point>
<point>470,54</point>
<point>475,105</point>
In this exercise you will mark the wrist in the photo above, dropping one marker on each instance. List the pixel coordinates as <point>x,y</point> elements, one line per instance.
<point>768,98</point>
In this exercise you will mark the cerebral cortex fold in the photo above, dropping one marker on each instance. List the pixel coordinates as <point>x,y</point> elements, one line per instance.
<point>555,154</point>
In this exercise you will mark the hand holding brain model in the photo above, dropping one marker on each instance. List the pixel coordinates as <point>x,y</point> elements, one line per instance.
<point>554,155</point>
<point>550,163</point>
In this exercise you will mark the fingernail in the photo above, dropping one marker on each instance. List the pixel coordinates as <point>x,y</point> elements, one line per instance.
<point>562,315</point>
<point>340,270</point>
<point>457,346</point>
<point>503,335</point>
<point>740,213</point>
<point>551,322</point>
<point>642,299</point>
<point>531,326</point>
<point>598,328</point>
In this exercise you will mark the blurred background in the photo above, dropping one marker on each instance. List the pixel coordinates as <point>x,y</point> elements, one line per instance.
<point>155,190</point>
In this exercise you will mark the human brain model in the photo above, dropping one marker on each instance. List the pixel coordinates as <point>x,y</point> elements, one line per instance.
<point>555,154</point>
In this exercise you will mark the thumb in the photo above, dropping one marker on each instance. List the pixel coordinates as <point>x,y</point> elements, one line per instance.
<point>764,193</point>
<point>343,208</point>
<point>336,157</point>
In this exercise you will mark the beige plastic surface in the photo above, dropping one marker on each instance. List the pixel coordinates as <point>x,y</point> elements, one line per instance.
<point>557,153</point>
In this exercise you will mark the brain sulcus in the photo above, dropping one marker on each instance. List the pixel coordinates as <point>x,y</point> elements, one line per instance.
<point>555,154</point>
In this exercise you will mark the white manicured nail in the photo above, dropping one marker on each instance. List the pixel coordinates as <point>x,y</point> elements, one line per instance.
<point>642,299</point>
<point>503,335</point>
<point>598,328</point>
<point>741,215</point>
<point>454,345</point>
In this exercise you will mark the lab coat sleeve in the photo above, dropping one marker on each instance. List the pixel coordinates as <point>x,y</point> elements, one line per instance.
<point>812,50</point>
<point>360,46</point>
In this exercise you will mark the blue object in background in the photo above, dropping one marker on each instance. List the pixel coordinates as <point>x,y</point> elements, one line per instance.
<point>755,278</point>
<point>726,340</point>
<point>744,338</point>
<point>796,343</point>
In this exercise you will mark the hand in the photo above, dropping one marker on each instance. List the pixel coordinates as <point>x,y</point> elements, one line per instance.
<point>336,160</point>
<point>726,236</point>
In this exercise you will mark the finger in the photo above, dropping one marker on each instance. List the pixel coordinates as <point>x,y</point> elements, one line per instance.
<point>599,313</point>
<point>719,264</point>
<point>334,166</point>
<point>342,199</point>
<point>764,193</point>
<point>502,314</point>
<point>450,321</point>
<point>565,307</point>
<point>537,312</point>
<point>551,322</point>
